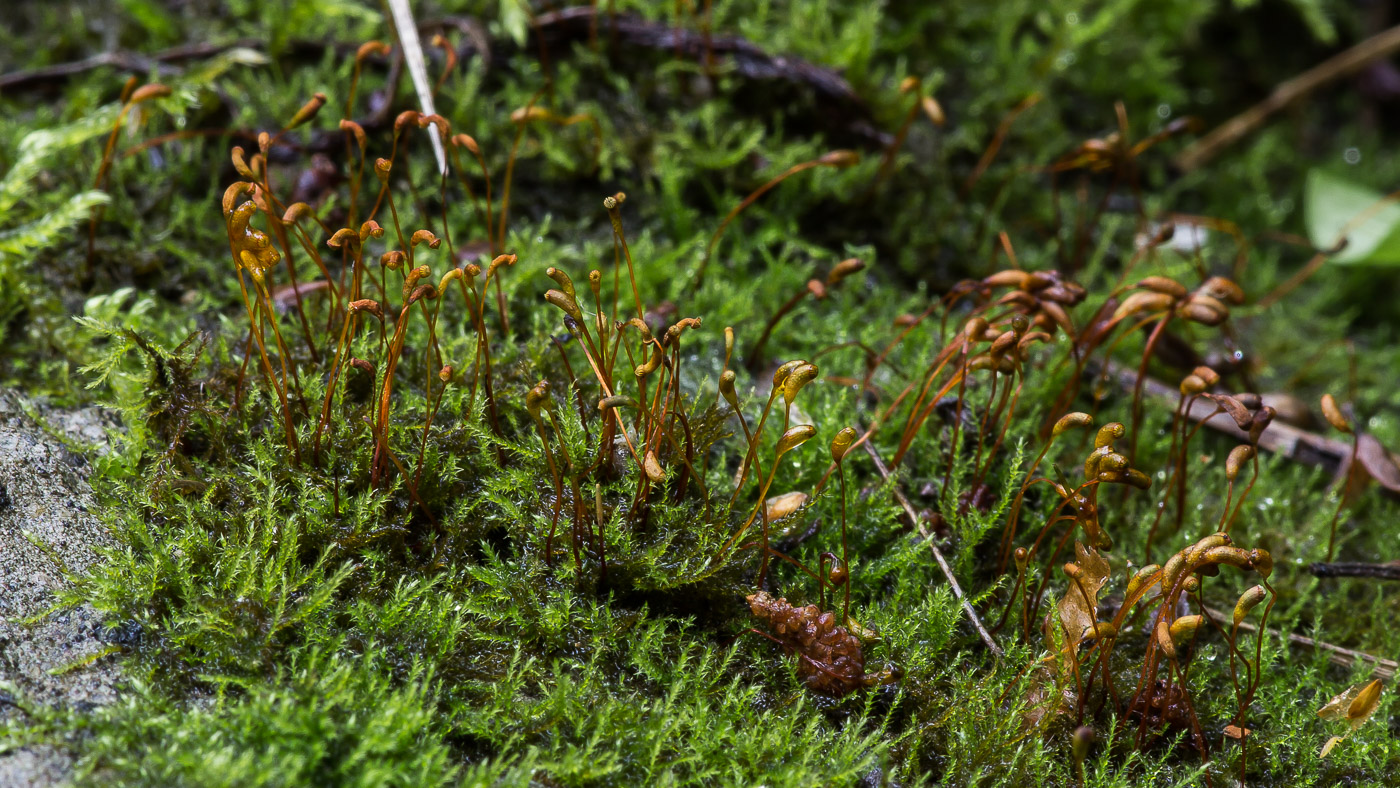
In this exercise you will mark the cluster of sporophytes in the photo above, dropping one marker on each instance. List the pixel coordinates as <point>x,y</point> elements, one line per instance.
<point>543,512</point>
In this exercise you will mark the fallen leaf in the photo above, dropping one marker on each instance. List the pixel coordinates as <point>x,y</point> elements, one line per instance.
<point>780,506</point>
<point>1377,462</point>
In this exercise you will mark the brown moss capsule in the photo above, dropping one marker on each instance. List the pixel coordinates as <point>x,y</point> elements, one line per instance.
<point>1333,414</point>
<point>1260,561</point>
<point>1109,433</point>
<point>562,279</point>
<point>1112,461</point>
<point>500,260</point>
<point>1071,421</point>
<point>1141,578</point>
<point>841,444</point>
<point>1219,287</point>
<point>1161,284</point>
<point>342,235</point>
<point>1228,554</point>
<point>615,401</point>
<point>1164,640</point>
<point>1003,343</point>
<point>1195,551</point>
<point>974,329</point>
<point>1137,479</point>
<point>361,364</point>
<point>796,380</point>
<point>296,211</point>
<point>371,229</point>
<point>1021,556</point>
<point>408,117</point>
<point>651,364</point>
<point>1183,628</point>
<point>371,48</point>
<point>1143,302</point>
<point>466,141</point>
<point>445,374</point>
<point>355,130</point>
<point>840,159</point>
<point>933,110</point>
<point>413,277</point>
<point>382,167</point>
<point>367,305</point>
<point>673,334</point>
<point>795,437</point>
<point>1247,602</point>
<point>145,93</point>
<point>1171,571</point>
<point>726,388</point>
<point>443,126</point>
<point>844,269</point>
<point>393,259</point>
<point>448,278</point>
<point>1203,314</point>
<point>1024,343</point>
<point>1013,278</point>
<point>1191,385</point>
<point>781,373</point>
<point>424,237</point>
<point>817,288</point>
<point>565,303</point>
<point>1080,742</point>
<point>1238,457</point>
<point>1210,376</point>
<point>308,110</point>
<point>241,166</point>
<point>530,114</point>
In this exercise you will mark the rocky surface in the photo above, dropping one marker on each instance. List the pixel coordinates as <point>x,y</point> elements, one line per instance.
<point>47,528</point>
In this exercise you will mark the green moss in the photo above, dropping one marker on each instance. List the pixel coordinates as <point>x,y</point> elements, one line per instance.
<point>287,623</point>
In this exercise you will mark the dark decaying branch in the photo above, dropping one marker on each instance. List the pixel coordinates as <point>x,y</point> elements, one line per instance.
<point>557,29</point>
<point>1341,569</point>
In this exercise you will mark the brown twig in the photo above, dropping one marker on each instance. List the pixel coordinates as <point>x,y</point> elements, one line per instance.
<point>1372,49</point>
<point>1295,444</point>
<point>843,108</point>
<point>1345,657</point>
<point>1342,569</point>
<point>937,554</point>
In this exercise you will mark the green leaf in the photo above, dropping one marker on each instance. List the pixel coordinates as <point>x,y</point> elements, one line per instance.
<point>1333,207</point>
<point>515,21</point>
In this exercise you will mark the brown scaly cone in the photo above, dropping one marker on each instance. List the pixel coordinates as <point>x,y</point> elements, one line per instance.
<point>830,658</point>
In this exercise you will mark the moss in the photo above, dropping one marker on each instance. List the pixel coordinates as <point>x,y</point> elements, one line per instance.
<point>498,612</point>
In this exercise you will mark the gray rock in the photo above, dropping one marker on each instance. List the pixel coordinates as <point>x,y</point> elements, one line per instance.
<point>47,528</point>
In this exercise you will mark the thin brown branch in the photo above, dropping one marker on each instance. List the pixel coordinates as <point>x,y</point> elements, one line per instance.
<point>1343,569</point>
<point>937,554</point>
<point>1345,657</point>
<point>1231,131</point>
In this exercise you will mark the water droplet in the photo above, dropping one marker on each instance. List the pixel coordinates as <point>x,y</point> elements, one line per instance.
<point>1351,156</point>
<point>1164,111</point>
